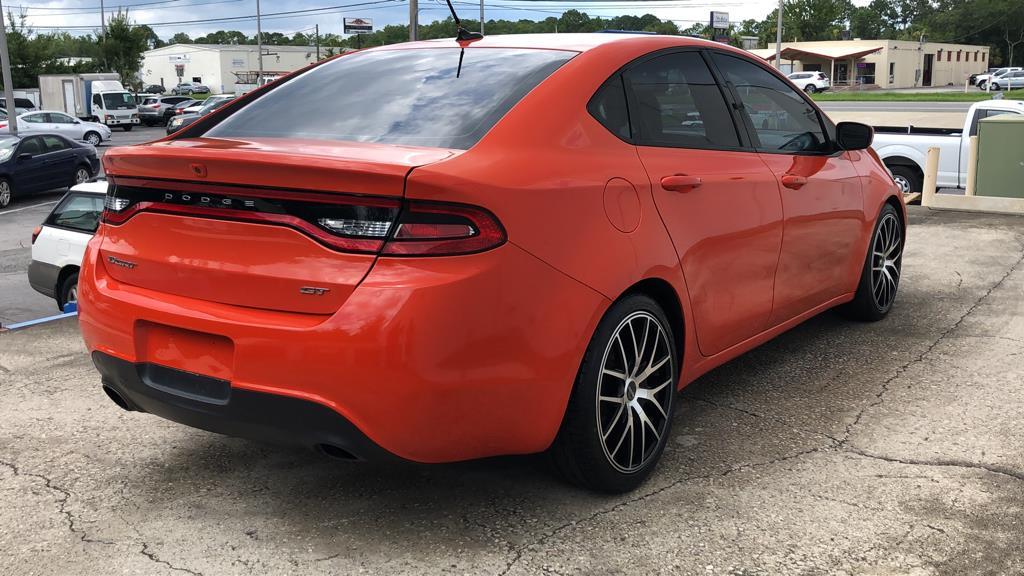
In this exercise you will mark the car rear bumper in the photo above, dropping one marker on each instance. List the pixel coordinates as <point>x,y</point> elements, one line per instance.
<point>42,276</point>
<point>433,360</point>
<point>211,404</point>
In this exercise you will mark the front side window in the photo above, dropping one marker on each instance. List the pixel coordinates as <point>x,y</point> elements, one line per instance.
<point>78,212</point>
<point>407,97</point>
<point>32,146</point>
<point>780,117</point>
<point>676,103</point>
<point>61,118</point>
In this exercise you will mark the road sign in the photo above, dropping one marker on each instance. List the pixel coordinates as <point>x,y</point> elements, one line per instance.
<point>719,20</point>
<point>358,26</point>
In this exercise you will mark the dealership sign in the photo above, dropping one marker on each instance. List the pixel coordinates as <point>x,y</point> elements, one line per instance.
<point>719,20</point>
<point>358,25</point>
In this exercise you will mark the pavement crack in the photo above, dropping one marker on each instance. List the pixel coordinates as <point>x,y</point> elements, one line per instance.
<point>519,552</point>
<point>62,502</point>
<point>940,462</point>
<point>900,370</point>
<point>763,417</point>
<point>152,556</point>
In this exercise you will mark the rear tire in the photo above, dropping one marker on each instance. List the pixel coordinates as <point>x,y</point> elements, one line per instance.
<point>127,127</point>
<point>68,291</point>
<point>883,266</point>
<point>82,175</point>
<point>906,178</point>
<point>810,88</point>
<point>620,412</point>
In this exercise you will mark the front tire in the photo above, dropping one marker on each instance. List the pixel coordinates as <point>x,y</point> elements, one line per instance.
<point>6,192</point>
<point>93,138</point>
<point>127,127</point>
<point>620,412</point>
<point>883,266</point>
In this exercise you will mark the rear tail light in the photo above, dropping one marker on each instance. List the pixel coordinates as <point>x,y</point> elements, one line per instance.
<point>35,233</point>
<point>344,222</point>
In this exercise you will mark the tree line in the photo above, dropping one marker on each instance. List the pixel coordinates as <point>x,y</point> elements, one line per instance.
<point>995,23</point>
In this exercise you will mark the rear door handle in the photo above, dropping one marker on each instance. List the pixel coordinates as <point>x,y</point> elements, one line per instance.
<point>793,181</point>
<point>681,183</point>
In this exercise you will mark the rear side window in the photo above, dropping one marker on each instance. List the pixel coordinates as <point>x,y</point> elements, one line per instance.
<point>54,144</point>
<point>780,117</point>
<point>408,97</point>
<point>149,101</point>
<point>608,106</point>
<point>78,212</point>
<point>676,103</point>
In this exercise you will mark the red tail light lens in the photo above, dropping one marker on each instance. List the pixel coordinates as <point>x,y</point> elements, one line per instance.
<point>35,233</point>
<point>439,229</point>
<point>344,222</point>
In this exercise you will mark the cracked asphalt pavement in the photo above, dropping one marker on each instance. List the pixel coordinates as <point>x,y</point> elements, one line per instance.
<point>838,448</point>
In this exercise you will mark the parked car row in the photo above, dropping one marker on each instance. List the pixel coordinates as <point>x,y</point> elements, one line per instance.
<point>192,113</point>
<point>997,77</point>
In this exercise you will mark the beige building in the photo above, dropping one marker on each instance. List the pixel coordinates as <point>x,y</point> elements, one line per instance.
<point>883,63</point>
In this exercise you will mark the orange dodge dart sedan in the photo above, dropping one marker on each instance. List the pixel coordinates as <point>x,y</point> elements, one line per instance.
<point>438,251</point>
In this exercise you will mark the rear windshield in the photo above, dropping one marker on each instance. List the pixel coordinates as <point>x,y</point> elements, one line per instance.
<point>408,97</point>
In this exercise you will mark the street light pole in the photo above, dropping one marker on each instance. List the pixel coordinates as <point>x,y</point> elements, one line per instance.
<point>12,117</point>
<point>259,44</point>
<point>414,19</point>
<point>778,38</point>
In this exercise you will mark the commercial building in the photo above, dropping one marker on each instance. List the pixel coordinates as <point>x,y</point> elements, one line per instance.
<point>220,66</point>
<point>883,63</point>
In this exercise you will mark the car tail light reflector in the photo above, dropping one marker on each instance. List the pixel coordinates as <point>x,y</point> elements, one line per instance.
<point>35,233</point>
<point>344,222</point>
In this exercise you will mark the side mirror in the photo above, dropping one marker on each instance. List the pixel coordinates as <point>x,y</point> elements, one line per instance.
<point>24,156</point>
<point>854,135</point>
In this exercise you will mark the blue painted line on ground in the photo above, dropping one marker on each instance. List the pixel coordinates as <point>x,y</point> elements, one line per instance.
<point>38,321</point>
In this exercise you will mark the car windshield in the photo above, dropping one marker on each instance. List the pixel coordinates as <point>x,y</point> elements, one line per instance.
<point>408,97</point>
<point>118,101</point>
<point>212,104</point>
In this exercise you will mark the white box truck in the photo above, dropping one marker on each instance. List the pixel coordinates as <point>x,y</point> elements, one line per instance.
<point>96,97</point>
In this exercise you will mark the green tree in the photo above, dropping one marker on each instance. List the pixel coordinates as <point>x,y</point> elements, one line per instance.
<point>122,47</point>
<point>180,38</point>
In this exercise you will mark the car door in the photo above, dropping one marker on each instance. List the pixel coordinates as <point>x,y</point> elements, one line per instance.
<point>822,200</point>
<point>31,174</point>
<point>61,159</point>
<point>66,126</point>
<point>719,201</point>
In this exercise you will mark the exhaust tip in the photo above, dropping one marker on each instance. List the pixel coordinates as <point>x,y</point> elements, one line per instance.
<point>337,452</point>
<point>116,398</point>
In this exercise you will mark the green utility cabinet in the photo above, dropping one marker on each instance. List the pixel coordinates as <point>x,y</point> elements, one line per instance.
<point>1001,156</point>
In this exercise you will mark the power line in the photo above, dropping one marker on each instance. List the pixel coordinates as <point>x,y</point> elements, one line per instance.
<point>61,14</point>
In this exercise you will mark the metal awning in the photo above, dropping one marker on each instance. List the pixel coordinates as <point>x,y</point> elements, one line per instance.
<point>824,52</point>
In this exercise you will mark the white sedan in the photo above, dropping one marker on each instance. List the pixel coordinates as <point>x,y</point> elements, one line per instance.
<point>56,122</point>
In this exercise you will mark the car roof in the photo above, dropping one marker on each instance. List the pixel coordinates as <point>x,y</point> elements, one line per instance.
<point>577,42</point>
<point>97,187</point>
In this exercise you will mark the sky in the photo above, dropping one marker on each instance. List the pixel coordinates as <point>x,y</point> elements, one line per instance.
<point>170,16</point>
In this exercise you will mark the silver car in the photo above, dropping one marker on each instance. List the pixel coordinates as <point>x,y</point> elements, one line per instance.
<point>56,122</point>
<point>158,109</point>
<point>1009,81</point>
<point>190,88</point>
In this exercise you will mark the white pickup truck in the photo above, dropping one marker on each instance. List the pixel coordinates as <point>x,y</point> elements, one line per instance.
<point>904,149</point>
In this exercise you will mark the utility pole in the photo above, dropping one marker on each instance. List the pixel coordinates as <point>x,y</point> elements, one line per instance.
<point>481,16</point>
<point>103,19</point>
<point>259,44</point>
<point>12,118</point>
<point>317,42</point>
<point>414,20</point>
<point>778,38</point>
